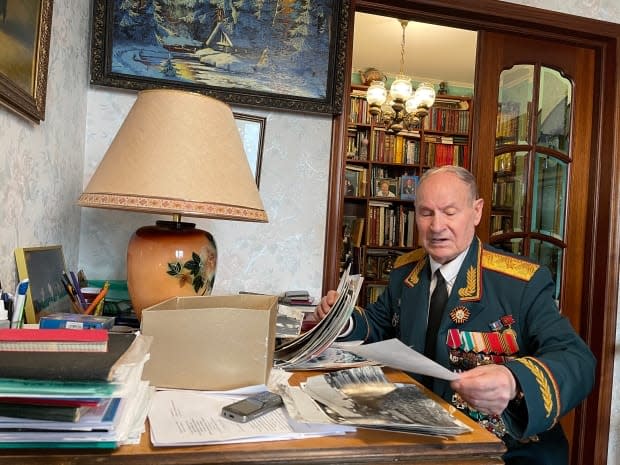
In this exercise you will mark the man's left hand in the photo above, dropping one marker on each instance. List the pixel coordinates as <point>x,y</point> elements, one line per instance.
<point>486,388</point>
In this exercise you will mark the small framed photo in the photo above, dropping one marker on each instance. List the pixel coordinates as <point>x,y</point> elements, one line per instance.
<point>43,267</point>
<point>408,186</point>
<point>386,187</point>
<point>351,182</point>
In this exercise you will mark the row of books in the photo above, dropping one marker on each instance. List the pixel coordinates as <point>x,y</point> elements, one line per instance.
<point>383,147</point>
<point>389,225</point>
<point>504,191</point>
<point>512,122</point>
<point>447,120</point>
<point>69,397</point>
<point>441,154</point>
<point>401,148</point>
<point>358,111</point>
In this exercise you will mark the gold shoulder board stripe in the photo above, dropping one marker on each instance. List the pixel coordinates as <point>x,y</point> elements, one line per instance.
<point>414,277</point>
<point>410,257</point>
<point>509,265</point>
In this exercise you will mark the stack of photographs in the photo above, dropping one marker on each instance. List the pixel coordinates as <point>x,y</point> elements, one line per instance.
<point>364,398</point>
<point>313,343</point>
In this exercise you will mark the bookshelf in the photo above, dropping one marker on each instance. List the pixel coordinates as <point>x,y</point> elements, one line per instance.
<point>381,172</point>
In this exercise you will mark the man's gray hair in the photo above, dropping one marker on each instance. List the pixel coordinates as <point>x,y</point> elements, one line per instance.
<point>460,172</point>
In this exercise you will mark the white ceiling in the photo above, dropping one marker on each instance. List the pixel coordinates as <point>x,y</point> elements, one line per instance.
<point>433,53</point>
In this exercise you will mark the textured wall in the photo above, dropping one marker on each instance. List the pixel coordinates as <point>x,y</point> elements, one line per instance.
<point>41,165</point>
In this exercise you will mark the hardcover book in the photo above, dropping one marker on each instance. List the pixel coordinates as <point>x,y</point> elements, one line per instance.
<point>53,340</point>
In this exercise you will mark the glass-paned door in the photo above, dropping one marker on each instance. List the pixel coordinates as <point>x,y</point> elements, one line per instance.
<point>531,165</point>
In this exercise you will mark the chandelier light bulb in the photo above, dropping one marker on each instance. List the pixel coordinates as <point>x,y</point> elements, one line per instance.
<point>425,95</point>
<point>376,93</point>
<point>401,89</point>
<point>413,103</point>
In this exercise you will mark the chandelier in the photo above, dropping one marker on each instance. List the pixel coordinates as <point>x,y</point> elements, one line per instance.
<point>402,108</point>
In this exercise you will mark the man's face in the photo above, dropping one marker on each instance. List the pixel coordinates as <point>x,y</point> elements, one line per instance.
<point>446,216</point>
<point>385,187</point>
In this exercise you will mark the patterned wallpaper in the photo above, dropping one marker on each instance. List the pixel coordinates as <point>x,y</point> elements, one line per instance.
<point>41,165</point>
<point>39,185</point>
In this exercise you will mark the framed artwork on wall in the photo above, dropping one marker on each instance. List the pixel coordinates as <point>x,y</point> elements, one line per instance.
<point>283,55</point>
<point>252,131</point>
<point>25,29</point>
<point>43,267</point>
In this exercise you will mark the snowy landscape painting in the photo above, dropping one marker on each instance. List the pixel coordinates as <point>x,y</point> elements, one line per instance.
<point>267,53</point>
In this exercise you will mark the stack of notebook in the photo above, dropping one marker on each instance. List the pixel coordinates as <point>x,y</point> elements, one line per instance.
<point>73,398</point>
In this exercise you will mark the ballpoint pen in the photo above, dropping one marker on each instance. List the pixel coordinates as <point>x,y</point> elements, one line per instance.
<point>78,291</point>
<point>20,301</point>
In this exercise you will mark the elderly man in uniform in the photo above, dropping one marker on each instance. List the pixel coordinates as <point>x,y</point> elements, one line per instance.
<point>522,364</point>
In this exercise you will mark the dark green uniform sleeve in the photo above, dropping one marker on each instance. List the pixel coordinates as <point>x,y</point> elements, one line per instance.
<point>559,370</point>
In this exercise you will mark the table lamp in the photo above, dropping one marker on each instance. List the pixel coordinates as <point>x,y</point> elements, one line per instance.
<point>177,153</point>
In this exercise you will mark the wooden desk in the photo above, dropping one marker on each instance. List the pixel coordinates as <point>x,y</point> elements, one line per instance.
<point>363,447</point>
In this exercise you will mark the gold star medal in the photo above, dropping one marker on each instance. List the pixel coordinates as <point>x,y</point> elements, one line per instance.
<point>459,315</point>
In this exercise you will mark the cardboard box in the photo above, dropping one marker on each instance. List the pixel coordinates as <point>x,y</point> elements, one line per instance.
<point>210,343</point>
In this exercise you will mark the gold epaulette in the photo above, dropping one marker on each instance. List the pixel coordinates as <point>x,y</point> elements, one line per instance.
<point>509,265</point>
<point>410,257</point>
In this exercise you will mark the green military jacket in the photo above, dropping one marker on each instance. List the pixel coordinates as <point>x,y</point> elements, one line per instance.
<point>500,310</point>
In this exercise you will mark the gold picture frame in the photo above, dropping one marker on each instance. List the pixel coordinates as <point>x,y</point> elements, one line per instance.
<point>43,267</point>
<point>25,29</point>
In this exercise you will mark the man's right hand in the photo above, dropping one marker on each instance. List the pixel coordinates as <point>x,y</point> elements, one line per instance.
<point>325,305</point>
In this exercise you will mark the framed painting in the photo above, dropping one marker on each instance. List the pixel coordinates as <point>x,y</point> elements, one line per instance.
<point>25,29</point>
<point>252,132</point>
<point>282,55</point>
<point>43,267</point>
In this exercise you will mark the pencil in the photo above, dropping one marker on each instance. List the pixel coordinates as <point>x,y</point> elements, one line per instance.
<point>99,298</point>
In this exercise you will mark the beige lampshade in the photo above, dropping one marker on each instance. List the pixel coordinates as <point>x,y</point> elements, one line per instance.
<point>177,153</point>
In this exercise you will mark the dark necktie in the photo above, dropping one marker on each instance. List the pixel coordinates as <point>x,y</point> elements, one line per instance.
<point>435,311</point>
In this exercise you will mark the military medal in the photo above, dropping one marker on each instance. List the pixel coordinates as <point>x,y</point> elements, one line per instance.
<point>459,315</point>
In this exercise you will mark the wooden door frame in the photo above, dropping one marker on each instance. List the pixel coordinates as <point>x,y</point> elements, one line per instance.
<point>598,328</point>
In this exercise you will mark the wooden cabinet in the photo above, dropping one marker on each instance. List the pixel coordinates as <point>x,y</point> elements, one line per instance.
<point>381,171</point>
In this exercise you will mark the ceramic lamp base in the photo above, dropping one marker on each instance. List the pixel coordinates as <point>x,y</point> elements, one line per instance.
<point>170,259</point>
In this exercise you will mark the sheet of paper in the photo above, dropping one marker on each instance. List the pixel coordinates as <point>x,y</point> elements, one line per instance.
<point>190,418</point>
<point>395,354</point>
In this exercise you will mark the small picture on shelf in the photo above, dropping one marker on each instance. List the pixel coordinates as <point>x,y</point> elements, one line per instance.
<point>351,182</point>
<point>386,187</point>
<point>347,225</point>
<point>408,187</point>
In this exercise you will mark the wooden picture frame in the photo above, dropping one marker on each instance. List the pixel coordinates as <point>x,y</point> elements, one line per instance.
<point>43,266</point>
<point>284,58</point>
<point>252,132</point>
<point>24,56</point>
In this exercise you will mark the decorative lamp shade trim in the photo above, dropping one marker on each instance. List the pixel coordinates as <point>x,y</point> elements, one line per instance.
<point>172,206</point>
